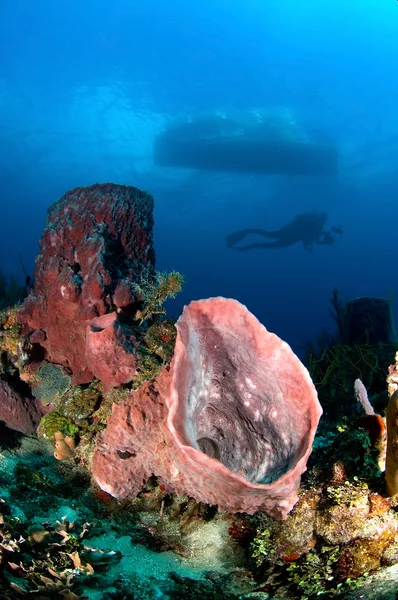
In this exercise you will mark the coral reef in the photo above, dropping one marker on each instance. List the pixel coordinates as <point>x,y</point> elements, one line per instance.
<point>179,423</point>
<point>332,539</point>
<point>56,422</point>
<point>50,383</point>
<point>9,330</point>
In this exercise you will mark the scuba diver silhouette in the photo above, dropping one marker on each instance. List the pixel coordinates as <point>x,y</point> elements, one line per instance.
<point>307,228</point>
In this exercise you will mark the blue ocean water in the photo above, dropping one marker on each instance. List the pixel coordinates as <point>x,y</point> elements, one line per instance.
<point>86,87</point>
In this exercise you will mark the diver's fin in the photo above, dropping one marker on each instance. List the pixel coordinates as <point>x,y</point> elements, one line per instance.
<point>237,236</point>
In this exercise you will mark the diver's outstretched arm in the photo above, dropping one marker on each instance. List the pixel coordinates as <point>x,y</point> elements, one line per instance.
<point>326,239</point>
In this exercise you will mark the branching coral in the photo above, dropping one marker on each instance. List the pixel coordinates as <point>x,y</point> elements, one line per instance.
<point>335,369</point>
<point>154,294</point>
<point>341,365</point>
<point>156,349</point>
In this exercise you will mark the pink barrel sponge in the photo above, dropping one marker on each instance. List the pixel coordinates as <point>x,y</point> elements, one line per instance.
<point>231,423</point>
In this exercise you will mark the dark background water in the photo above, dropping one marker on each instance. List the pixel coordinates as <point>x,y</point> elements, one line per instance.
<point>86,86</point>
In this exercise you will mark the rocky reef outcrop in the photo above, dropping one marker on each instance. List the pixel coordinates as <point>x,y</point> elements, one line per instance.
<point>96,246</point>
